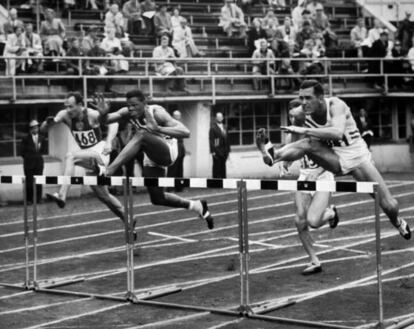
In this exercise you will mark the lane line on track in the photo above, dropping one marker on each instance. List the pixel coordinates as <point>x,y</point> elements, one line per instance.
<point>171,321</point>
<point>16,294</point>
<point>171,237</point>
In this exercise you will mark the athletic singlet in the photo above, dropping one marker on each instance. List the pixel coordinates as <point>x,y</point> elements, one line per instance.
<point>351,134</point>
<point>140,123</point>
<point>84,134</point>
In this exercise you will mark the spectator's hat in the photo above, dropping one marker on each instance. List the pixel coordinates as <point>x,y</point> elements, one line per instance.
<point>319,6</point>
<point>33,123</point>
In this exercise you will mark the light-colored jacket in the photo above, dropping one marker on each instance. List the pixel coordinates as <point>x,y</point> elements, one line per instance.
<point>14,44</point>
<point>231,14</point>
<point>35,46</point>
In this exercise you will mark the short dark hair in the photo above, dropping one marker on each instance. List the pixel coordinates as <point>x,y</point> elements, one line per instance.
<point>294,103</point>
<point>136,93</point>
<point>77,95</point>
<point>315,84</point>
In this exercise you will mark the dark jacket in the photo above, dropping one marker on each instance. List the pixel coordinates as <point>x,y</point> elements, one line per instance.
<point>31,157</point>
<point>219,143</point>
<point>252,36</point>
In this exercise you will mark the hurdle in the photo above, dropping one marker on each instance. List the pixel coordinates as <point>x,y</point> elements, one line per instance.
<point>245,308</point>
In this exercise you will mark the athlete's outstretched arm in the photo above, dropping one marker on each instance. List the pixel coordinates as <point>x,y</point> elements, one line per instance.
<point>50,121</point>
<point>103,107</point>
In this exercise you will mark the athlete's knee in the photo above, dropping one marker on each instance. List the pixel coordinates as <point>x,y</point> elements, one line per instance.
<point>313,221</point>
<point>157,199</point>
<point>300,223</point>
<point>390,205</point>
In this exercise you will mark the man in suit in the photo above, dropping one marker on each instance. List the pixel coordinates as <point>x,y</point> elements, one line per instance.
<point>177,169</point>
<point>15,46</point>
<point>31,150</point>
<point>34,48</point>
<point>232,19</point>
<point>219,146</point>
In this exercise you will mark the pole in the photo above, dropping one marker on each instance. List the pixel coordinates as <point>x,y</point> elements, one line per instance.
<point>38,16</point>
<point>126,226</point>
<point>379,262</point>
<point>131,238</point>
<point>35,285</point>
<point>241,247</point>
<point>26,235</point>
<point>246,248</point>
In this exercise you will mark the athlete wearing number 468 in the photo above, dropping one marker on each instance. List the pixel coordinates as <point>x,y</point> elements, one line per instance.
<point>84,124</point>
<point>333,141</point>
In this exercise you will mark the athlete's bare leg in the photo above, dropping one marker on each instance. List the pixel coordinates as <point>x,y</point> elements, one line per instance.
<point>154,146</point>
<point>109,200</point>
<point>318,213</point>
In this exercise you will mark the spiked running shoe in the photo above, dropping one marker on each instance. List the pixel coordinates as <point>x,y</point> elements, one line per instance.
<point>333,222</point>
<point>55,197</point>
<point>99,169</point>
<point>404,229</point>
<point>312,268</point>
<point>206,215</point>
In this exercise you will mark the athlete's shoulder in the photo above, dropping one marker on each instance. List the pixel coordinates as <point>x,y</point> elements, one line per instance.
<point>92,112</point>
<point>156,107</point>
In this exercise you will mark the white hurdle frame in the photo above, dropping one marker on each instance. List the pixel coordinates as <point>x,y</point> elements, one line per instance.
<point>242,187</point>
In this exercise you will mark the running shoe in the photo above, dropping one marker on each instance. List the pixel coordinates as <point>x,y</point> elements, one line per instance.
<point>265,146</point>
<point>312,268</point>
<point>134,231</point>
<point>333,222</point>
<point>99,169</point>
<point>55,197</point>
<point>404,229</point>
<point>206,215</point>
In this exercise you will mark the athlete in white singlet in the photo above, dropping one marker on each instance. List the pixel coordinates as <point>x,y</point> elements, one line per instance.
<point>156,133</point>
<point>333,124</point>
<point>84,124</point>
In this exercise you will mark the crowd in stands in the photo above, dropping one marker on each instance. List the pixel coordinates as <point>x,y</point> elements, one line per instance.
<point>307,33</point>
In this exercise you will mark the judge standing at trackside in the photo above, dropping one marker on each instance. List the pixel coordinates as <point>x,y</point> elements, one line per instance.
<point>219,146</point>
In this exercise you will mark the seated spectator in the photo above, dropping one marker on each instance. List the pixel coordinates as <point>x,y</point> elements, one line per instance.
<point>89,40</point>
<point>309,51</point>
<point>12,22</point>
<point>287,31</point>
<point>306,17</point>
<point>183,41</point>
<point>232,19</point>
<point>270,28</point>
<point>132,12</point>
<point>379,49</point>
<point>313,6</point>
<point>176,18</point>
<point>34,48</point>
<point>114,18</point>
<point>15,46</point>
<point>321,25</point>
<point>168,67</point>
<point>406,32</point>
<point>304,34</point>
<point>96,66</point>
<point>162,22</point>
<point>358,35</point>
<point>72,66</point>
<point>279,46</point>
<point>270,16</point>
<point>148,8</point>
<point>277,3</point>
<point>52,32</point>
<point>285,68</point>
<point>110,42</point>
<point>297,14</point>
<point>397,65</point>
<point>113,48</point>
<point>261,65</point>
<point>254,33</point>
<point>375,32</point>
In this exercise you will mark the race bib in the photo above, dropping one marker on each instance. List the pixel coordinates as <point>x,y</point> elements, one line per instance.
<point>85,138</point>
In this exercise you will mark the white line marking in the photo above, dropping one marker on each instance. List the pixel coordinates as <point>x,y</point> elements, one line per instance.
<point>170,321</point>
<point>171,237</point>
<point>221,325</point>
<point>40,307</point>
<point>16,294</point>
<point>73,317</point>
<point>345,249</point>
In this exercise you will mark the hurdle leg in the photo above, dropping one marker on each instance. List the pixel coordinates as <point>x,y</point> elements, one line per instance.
<point>130,222</point>
<point>26,237</point>
<point>245,249</point>
<point>126,227</point>
<point>379,261</point>
<point>35,283</point>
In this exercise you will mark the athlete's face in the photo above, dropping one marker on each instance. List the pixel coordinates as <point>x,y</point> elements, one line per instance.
<point>310,102</point>
<point>72,107</point>
<point>136,108</point>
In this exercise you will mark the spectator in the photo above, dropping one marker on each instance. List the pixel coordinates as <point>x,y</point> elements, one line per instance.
<point>277,3</point>
<point>374,33</point>
<point>313,6</point>
<point>132,12</point>
<point>279,46</point>
<point>297,14</point>
<point>396,66</point>
<point>110,42</point>
<point>148,8</point>
<point>219,146</point>
<point>364,126</point>
<point>113,48</point>
<point>287,31</point>
<point>31,149</point>
<point>176,18</point>
<point>358,35</point>
<point>406,32</point>
<point>97,66</point>
<point>285,68</point>
<point>255,32</point>
<point>34,48</point>
<point>12,22</point>
<point>114,18</point>
<point>270,29</point>
<point>306,17</point>
<point>262,61</point>
<point>162,22</point>
<point>183,41</point>
<point>168,67</point>
<point>52,32</point>
<point>313,66</point>
<point>379,49</point>
<point>270,18</point>
<point>73,51</point>
<point>232,19</point>
<point>15,46</point>
<point>89,40</point>
<point>321,25</point>
<point>304,34</point>
<point>177,168</point>
<point>410,56</point>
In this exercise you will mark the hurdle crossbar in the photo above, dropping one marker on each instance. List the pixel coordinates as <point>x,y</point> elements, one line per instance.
<point>243,186</point>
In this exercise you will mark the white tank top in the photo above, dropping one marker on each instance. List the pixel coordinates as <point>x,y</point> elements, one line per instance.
<point>351,134</point>
<point>140,123</point>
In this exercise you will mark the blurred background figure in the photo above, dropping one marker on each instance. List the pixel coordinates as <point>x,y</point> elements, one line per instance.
<point>364,126</point>
<point>219,146</point>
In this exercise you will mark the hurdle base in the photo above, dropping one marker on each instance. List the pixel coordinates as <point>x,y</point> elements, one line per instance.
<point>23,286</point>
<point>272,306</point>
<point>48,284</point>
<point>244,310</point>
<point>157,293</point>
